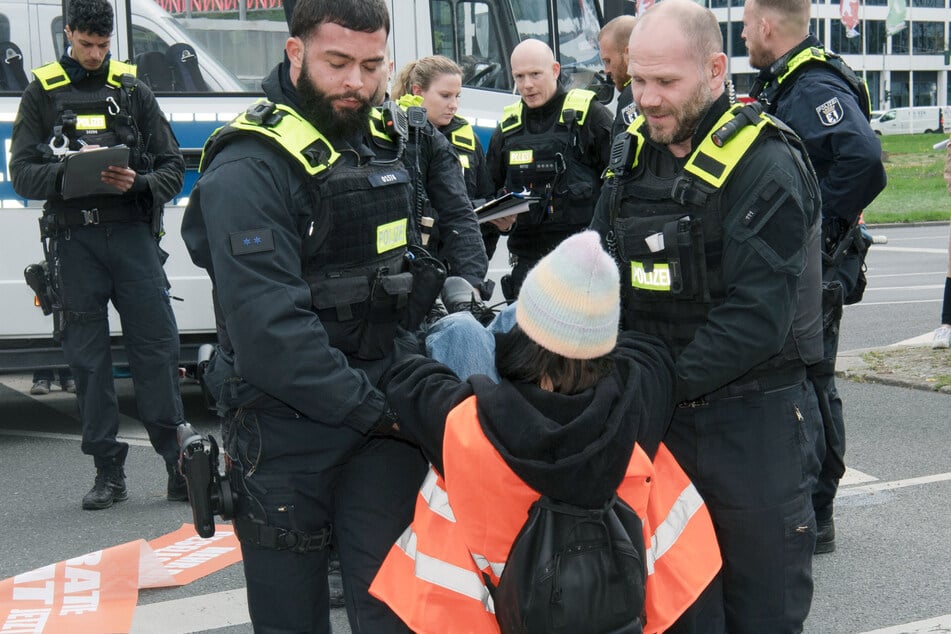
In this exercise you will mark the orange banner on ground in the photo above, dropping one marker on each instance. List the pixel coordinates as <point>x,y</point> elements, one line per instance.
<point>98,591</point>
<point>187,557</point>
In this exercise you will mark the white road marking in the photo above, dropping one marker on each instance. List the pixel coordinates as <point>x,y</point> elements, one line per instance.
<point>854,476</point>
<point>931,626</point>
<point>193,614</point>
<point>884,249</point>
<point>894,484</point>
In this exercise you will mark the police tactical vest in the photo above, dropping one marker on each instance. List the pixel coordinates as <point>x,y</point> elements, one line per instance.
<point>550,164</point>
<point>354,250</point>
<point>667,231</point>
<point>98,117</point>
<point>787,67</point>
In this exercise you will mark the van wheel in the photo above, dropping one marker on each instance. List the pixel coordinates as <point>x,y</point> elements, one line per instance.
<point>929,132</point>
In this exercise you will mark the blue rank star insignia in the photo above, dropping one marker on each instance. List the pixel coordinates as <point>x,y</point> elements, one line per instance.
<point>830,113</point>
<point>253,241</point>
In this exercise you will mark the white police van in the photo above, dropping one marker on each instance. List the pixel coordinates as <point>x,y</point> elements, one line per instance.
<point>235,44</point>
<point>914,120</point>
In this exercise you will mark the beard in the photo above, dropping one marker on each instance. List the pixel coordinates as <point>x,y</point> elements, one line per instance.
<point>686,117</point>
<point>317,107</point>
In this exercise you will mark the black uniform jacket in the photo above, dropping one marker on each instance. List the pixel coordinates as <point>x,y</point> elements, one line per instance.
<point>269,331</point>
<point>760,264</point>
<point>36,178</point>
<point>846,153</point>
<point>445,187</point>
<point>575,448</point>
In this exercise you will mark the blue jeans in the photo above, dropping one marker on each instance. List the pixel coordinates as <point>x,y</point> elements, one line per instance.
<point>465,346</point>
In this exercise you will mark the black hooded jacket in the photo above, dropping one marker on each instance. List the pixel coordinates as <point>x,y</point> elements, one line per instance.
<point>574,448</point>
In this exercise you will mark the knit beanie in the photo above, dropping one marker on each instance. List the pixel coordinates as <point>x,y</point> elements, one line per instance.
<point>570,301</point>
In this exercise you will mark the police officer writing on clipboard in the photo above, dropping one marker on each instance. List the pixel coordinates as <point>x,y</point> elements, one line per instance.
<point>105,246</point>
<point>819,97</point>
<point>302,217</point>
<point>712,213</point>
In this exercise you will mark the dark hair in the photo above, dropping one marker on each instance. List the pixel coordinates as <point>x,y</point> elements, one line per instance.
<point>519,359</point>
<point>357,15</point>
<point>90,16</point>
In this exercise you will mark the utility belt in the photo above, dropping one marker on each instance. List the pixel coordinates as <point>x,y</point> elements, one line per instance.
<point>66,218</point>
<point>273,538</point>
<point>767,382</point>
<point>361,313</point>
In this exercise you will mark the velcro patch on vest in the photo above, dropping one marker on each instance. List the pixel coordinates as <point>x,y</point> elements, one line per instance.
<point>391,178</point>
<point>253,241</point>
<point>464,160</point>
<point>91,122</point>
<point>391,235</point>
<point>521,157</point>
<point>831,112</point>
<point>657,279</point>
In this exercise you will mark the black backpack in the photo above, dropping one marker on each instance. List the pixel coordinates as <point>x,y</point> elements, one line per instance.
<point>574,570</point>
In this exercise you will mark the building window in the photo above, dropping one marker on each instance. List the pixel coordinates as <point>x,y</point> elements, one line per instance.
<point>875,37</point>
<point>926,88</point>
<point>898,91</point>
<point>842,44</point>
<point>927,38</point>
<point>900,42</point>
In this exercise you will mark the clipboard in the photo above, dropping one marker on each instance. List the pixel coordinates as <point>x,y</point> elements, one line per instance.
<point>81,174</point>
<point>509,204</point>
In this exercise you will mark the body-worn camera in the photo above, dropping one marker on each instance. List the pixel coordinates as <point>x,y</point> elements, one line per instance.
<point>209,492</point>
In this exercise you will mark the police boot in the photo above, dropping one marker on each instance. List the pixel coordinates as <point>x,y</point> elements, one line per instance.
<point>177,490</point>
<point>825,536</point>
<point>108,488</point>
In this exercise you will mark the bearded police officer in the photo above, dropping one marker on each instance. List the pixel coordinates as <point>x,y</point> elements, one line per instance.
<point>554,144</point>
<point>819,97</point>
<point>302,217</point>
<point>712,212</point>
<point>105,246</point>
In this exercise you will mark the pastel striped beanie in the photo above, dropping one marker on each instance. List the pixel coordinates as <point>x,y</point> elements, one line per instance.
<point>570,301</point>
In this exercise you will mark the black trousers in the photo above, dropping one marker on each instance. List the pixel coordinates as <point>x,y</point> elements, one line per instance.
<point>301,475</point>
<point>753,458</point>
<point>121,263</point>
<point>822,376</point>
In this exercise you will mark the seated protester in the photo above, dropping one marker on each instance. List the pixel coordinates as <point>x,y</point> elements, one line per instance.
<point>578,415</point>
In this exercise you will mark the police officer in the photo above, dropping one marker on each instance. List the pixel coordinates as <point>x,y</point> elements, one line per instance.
<point>819,97</point>
<point>435,83</point>
<point>302,217</point>
<point>104,247</point>
<point>612,43</point>
<point>553,143</point>
<point>713,214</point>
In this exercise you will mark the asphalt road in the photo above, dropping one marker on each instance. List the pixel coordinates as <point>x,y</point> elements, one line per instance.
<point>890,574</point>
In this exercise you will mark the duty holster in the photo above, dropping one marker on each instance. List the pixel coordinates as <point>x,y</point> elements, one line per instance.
<point>209,492</point>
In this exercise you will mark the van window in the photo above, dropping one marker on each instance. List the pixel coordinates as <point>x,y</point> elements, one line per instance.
<point>888,116</point>
<point>59,40</point>
<point>4,27</point>
<point>468,33</point>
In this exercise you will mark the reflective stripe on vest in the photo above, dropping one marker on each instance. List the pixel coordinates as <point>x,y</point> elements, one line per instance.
<point>438,561</point>
<point>292,132</point>
<point>834,62</point>
<point>52,76</point>
<point>577,99</point>
<point>464,137</point>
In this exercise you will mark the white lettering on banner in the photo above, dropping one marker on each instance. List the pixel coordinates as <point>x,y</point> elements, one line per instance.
<point>90,559</point>
<point>25,621</point>
<point>189,545</point>
<point>80,580</point>
<point>195,559</point>
<point>22,592</point>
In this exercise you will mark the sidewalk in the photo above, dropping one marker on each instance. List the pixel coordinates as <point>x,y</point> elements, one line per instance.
<point>911,363</point>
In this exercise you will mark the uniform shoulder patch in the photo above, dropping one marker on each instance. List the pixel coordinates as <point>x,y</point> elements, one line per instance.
<point>830,113</point>
<point>252,241</point>
<point>629,113</point>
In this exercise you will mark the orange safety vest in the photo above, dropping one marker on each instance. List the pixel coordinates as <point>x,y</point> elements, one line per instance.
<point>432,578</point>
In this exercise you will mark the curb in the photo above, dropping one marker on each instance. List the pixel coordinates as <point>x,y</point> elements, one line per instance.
<point>850,365</point>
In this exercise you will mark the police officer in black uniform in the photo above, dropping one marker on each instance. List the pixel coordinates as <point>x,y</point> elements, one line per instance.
<point>104,247</point>
<point>303,218</point>
<point>819,97</point>
<point>555,144</point>
<point>612,43</point>
<point>712,212</point>
<point>441,204</point>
